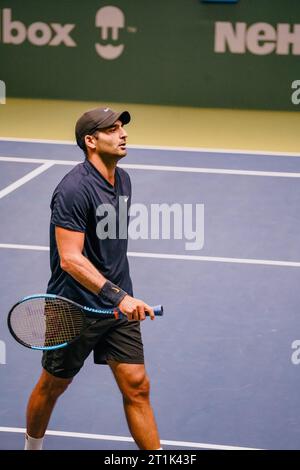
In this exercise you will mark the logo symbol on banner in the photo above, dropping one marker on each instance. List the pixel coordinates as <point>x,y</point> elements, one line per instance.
<point>110,20</point>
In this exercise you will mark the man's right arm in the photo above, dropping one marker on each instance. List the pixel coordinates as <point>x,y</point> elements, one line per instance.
<point>70,247</point>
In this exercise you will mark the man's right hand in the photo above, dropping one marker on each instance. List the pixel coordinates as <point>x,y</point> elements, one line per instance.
<point>135,309</point>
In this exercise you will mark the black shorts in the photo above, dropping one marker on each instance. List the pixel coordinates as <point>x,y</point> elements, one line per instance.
<point>109,339</point>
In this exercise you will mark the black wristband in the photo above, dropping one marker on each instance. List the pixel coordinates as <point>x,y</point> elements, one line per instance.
<point>112,293</point>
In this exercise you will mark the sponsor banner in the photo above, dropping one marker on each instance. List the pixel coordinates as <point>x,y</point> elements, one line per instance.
<point>176,52</point>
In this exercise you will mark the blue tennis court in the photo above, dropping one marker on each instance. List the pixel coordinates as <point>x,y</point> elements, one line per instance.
<point>222,361</point>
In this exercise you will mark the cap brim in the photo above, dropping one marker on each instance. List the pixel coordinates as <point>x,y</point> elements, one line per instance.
<point>125,117</point>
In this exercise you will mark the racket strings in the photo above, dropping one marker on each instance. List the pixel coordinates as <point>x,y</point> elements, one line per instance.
<point>47,322</point>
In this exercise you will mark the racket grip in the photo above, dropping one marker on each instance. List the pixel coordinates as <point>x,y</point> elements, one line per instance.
<point>157,309</point>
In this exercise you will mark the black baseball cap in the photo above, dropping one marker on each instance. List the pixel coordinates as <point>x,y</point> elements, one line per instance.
<point>97,118</point>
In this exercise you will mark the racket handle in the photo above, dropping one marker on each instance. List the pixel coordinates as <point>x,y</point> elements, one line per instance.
<point>157,309</point>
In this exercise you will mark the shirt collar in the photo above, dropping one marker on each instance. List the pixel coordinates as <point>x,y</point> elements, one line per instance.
<point>90,167</point>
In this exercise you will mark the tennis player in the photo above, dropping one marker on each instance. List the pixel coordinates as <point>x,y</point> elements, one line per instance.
<point>92,269</point>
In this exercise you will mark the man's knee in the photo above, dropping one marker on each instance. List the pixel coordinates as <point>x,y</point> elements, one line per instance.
<point>137,388</point>
<point>53,386</point>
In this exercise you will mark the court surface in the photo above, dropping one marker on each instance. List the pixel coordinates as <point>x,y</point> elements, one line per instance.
<point>223,361</point>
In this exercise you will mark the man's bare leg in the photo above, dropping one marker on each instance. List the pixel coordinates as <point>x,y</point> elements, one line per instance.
<point>42,402</point>
<point>134,386</point>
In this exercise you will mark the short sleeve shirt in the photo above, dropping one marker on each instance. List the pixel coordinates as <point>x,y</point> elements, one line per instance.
<point>84,201</point>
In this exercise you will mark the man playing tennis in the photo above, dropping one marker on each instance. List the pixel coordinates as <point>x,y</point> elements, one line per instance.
<point>92,269</point>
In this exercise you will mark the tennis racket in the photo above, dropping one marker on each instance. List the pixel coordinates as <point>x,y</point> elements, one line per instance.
<point>47,321</point>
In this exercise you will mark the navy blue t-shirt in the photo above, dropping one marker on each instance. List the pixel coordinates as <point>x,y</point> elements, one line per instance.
<point>74,206</point>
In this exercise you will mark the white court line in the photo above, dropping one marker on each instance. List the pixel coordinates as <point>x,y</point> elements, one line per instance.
<point>216,150</point>
<point>24,247</point>
<point>12,187</point>
<point>217,259</point>
<point>216,171</point>
<point>135,254</point>
<point>39,141</point>
<point>181,169</point>
<point>39,160</point>
<point>165,147</point>
<point>105,437</point>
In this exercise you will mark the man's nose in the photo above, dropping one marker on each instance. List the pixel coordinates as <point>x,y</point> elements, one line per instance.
<point>123,132</point>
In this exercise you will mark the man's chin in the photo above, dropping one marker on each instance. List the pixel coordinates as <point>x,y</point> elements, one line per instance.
<point>122,154</point>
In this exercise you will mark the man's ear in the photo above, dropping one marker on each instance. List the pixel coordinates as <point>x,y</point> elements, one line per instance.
<point>90,142</point>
